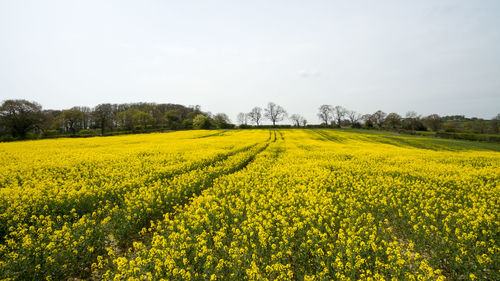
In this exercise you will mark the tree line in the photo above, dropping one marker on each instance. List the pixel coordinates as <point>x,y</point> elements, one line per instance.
<point>338,116</point>
<point>20,119</point>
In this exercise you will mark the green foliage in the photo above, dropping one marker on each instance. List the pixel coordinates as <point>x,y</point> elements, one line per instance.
<point>143,118</point>
<point>6,138</point>
<point>20,116</point>
<point>221,121</point>
<point>202,122</point>
<point>86,133</point>
<point>72,120</point>
<point>187,124</point>
<point>50,133</point>
<point>468,136</point>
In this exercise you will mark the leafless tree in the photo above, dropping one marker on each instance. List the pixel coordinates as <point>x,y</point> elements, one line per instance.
<point>297,119</point>
<point>242,118</point>
<point>222,121</point>
<point>412,121</point>
<point>325,112</point>
<point>339,113</point>
<point>304,122</point>
<point>255,115</point>
<point>353,116</point>
<point>274,113</point>
<point>368,120</point>
<point>379,117</point>
<point>87,116</point>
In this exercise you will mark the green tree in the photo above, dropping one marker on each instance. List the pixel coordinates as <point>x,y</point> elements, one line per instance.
<point>479,126</point>
<point>20,116</point>
<point>126,118</point>
<point>187,124</point>
<point>143,118</point>
<point>433,122</point>
<point>103,116</point>
<point>202,122</point>
<point>494,124</point>
<point>72,119</point>
<point>173,119</point>
<point>393,120</point>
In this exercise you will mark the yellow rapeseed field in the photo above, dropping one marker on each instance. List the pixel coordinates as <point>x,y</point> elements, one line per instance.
<point>250,205</point>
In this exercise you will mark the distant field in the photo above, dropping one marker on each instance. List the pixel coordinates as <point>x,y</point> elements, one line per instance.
<point>250,205</point>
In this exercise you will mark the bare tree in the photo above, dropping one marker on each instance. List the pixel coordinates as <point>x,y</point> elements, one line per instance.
<point>368,120</point>
<point>242,118</point>
<point>222,121</point>
<point>255,115</point>
<point>87,116</point>
<point>379,117</point>
<point>297,119</point>
<point>353,117</point>
<point>274,113</point>
<point>325,113</point>
<point>304,122</point>
<point>339,113</point>
<point>412,121</point>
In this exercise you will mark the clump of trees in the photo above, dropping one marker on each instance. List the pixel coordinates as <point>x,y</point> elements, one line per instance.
<point>21,119</point>
<point>338,116</point>
<point>273,112</point>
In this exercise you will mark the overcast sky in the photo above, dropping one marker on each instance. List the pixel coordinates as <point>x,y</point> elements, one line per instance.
<point>430,56</point>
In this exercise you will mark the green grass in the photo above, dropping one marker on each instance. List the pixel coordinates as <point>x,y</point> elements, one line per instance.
<point>423,142</point>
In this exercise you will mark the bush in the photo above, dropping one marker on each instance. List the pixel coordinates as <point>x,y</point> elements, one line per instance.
<point>187,124</point>
<point>50,134</point>
<point>202,122</point>
<point>468,136</point>
<point>494,139</point>
<point>86,133</point>
<point>31,136</point>
<point>7,138</point>
<point>472,136</point>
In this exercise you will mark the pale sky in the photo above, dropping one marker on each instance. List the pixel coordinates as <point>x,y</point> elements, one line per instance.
<point>431,56</point>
